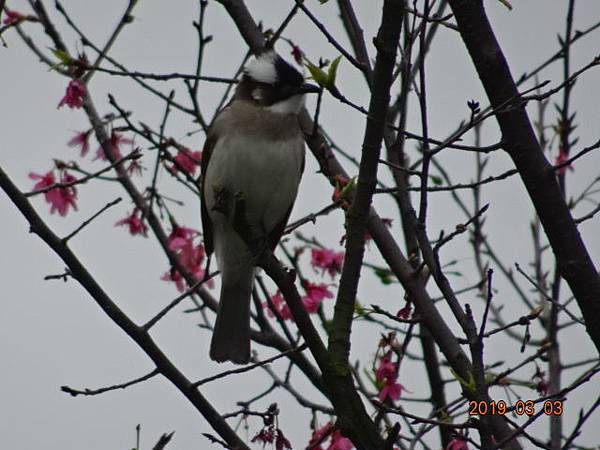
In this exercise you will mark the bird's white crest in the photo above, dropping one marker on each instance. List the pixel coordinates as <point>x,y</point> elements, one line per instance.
<point>262,68</point>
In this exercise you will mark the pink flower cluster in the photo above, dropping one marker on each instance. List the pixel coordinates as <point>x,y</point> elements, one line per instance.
<point>270,434</point>
<point>386,377</point>
<point>187,160</point>
<point>135,223</point>
<point>191,256</point>
<point>60,198</point>
<point>315,293</point>
<point>328,260</point>
<point>81,140</point>
<point>337,441</point>
<point>114,143</point>
<point>74,94</point>
<point>325,259</point>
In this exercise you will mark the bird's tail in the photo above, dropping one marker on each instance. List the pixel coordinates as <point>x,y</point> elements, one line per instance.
<point>231,336</point>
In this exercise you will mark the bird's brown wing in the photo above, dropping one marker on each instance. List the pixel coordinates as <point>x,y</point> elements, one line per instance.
<point>207,231</point>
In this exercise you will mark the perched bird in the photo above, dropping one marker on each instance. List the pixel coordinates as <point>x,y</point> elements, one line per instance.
<point>251,167</point>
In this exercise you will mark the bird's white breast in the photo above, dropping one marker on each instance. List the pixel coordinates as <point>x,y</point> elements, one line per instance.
<point>266,171</point>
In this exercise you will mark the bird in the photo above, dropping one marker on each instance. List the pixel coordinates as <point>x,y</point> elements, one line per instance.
<point>251,168</point>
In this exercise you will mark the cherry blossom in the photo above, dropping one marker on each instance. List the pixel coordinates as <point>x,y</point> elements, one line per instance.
<point>281,442</point>
<point>81,140</point>
<point>190,255</point>
<point>73,97</point>
<point>115,142</point>
<point>404,313</point>
<point>135,223</point>
<point>386,376</point>
<point>315,293</point>
<point>560,159</point>
<point>298,54</point>
<point>337,441</point>
<point>60,198</point>
<point>12,16</point>
<point>186,160</point>
<point>327,259</point>
<point>265,436</point>
<point>280,306</point>
<point>134,168</point>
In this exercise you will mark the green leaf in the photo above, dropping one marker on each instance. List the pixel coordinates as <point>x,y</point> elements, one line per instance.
<point>359,309</point>
<point>317,74</point>
<point>62,55</point>
<point>325,79</point>
<point>468,385</point>
<point>384,275</point>
<point>436,180</point>
<point>332,73</point>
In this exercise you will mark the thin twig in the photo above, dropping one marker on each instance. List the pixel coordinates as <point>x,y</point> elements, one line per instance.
<point>86,391</point>
<point>88,221</point>
<point>249,367</point>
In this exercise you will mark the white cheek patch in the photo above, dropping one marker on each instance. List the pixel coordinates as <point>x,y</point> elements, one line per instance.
<point>262,68</point>
<point>291,105</point>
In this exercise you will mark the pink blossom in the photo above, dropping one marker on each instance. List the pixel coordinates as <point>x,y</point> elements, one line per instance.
<point>298,54</point>
<point>391,390</point>
<point>404,313</point>
<point>315,293</point>
<point>181,241</point>
<point>44,180</point>
<point>328,260</point>
<point>114,143</point>
<point>458,443</point>
<point>187,160</point>
<point>336,440</point>
<point>74,95</point>
<point>280,306</point>
<point>281,442</point>
<point>190,255</point>
<point>12,16</point>
<point>339,442</point>
<point>317,437</point>
<point>386,369</point>
<point>174,276</point>
<point>266,436</point>
<point>60,199</point>
<point>387,374</point>
<point>134,168</point>
<point>560,159</point>
<point>81,139</point>
<point>135,223</point>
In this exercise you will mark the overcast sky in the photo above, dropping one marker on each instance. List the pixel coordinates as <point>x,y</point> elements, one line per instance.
<point>53,334</point>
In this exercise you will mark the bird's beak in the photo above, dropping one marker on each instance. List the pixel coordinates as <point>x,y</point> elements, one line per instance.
<point>308,88</point>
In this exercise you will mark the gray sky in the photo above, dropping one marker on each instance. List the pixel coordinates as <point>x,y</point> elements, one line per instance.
<point>53,334</point>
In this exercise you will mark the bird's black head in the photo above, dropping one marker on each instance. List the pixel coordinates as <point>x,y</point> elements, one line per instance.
<point>272,82</point>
